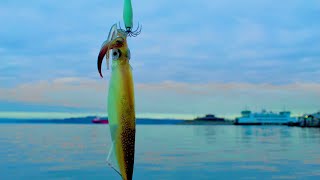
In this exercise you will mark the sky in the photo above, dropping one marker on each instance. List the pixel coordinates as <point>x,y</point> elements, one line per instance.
<point>191,58</point>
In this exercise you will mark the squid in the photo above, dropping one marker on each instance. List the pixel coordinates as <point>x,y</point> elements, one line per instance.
<point>121,104</point>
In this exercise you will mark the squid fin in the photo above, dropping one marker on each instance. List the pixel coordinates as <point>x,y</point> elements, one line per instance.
<point>110,165</point>
<point>111,160</point>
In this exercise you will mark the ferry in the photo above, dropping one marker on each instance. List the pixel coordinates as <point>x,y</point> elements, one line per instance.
<point>265,118</point>
<point>97,120</point>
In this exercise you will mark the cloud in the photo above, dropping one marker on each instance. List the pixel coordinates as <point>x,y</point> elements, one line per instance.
<point>209,56</point>
<point>69,92</point>
<point>169,97</point>
<point>205,41</point>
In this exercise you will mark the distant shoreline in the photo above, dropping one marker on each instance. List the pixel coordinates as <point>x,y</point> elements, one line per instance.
<point>88,120</point>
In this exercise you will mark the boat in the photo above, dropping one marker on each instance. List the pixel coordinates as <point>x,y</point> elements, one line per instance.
<point>209,117</point>
<point>265,118</point>
<point>98,120</point>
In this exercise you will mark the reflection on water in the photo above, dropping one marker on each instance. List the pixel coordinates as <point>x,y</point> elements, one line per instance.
<point>162,152</point>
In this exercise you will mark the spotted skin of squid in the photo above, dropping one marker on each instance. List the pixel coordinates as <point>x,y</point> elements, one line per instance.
<point>121,106</point>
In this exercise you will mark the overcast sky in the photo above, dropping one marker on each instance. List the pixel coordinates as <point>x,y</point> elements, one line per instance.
<point>192,57</point>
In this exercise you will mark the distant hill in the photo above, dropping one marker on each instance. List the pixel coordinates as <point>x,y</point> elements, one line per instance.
<point>88,120</point>
<point>85,120</point>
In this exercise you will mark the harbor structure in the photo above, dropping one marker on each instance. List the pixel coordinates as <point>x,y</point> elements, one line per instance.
<point>309,120</point>
<point>209,117</point>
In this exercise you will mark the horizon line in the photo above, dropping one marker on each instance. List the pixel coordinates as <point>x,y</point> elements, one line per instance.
<point>63,115</point>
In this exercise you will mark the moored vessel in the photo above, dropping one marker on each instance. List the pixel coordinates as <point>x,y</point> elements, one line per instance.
<point>265,118</point>
<point>98,120</point>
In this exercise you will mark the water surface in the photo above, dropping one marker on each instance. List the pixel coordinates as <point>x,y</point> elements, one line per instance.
<point>168,152</point>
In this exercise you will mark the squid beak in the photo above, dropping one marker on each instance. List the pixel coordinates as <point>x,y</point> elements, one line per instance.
<point>116,43</point>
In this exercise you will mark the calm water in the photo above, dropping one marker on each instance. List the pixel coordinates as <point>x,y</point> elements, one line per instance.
<point>163,152</point>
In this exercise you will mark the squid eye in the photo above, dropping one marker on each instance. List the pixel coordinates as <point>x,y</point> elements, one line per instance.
<point>116,54</point>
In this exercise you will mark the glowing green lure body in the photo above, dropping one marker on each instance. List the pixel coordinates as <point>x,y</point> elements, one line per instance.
<point>127,14</point>
<point>128,20</point>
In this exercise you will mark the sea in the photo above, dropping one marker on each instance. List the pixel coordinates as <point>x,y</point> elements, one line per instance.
<point>163,152</point>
